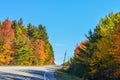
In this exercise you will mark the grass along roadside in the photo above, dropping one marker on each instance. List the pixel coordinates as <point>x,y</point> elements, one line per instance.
<point>62,75</point>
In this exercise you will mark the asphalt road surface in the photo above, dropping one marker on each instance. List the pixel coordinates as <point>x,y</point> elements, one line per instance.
<point>28,72</point>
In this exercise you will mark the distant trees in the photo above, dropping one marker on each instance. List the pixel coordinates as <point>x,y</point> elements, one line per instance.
<point>21,45</point>
<point>98,58</point>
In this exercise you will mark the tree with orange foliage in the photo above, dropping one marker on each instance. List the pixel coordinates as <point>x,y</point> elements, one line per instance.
<point>6,37</point>
<point>39,52</point>
<point>116,49</point>
<point>24,46</point>
<point>99,58</point>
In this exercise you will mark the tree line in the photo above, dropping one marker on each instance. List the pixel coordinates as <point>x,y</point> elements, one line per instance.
<point>24,45</point>
<point>98,57</point>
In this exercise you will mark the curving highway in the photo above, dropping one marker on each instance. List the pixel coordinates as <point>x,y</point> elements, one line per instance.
<point>28,72</point>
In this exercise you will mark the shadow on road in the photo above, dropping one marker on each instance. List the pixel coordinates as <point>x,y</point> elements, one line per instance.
<point>31,75</point>
<point>28,73</point>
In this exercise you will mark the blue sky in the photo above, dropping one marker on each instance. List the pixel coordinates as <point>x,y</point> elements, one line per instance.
<point>66,21</point>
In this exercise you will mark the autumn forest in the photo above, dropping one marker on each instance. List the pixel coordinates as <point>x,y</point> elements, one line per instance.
<point>24,45</point>
<point>98,57</point>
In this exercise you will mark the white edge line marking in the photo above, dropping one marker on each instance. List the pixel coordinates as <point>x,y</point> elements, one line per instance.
<point>44,76</point>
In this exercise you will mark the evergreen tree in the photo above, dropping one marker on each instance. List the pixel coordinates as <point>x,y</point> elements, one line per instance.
<point>23,52</point>
<point>99,59</point>
<point>20,22</point>
<point>21,45</point>
<point>14,24</point>
<point>42,33</point>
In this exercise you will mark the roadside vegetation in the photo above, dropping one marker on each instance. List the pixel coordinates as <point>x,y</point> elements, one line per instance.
<point>98,57</point>
<point>24,45</point>
<point>63,75</point>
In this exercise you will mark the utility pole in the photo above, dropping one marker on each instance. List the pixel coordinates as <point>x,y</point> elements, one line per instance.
<point>64,57</point>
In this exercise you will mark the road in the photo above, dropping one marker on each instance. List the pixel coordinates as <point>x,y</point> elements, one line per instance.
<point>28,72</point>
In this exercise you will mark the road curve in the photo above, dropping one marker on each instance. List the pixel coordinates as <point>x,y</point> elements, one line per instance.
<point>28,72</point>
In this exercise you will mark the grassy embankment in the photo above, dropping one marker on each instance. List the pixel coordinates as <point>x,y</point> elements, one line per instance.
<point>63,75</point>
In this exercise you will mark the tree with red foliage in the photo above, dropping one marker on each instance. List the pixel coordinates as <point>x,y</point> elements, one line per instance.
<point>6,32</point>
<point>6,37</point>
